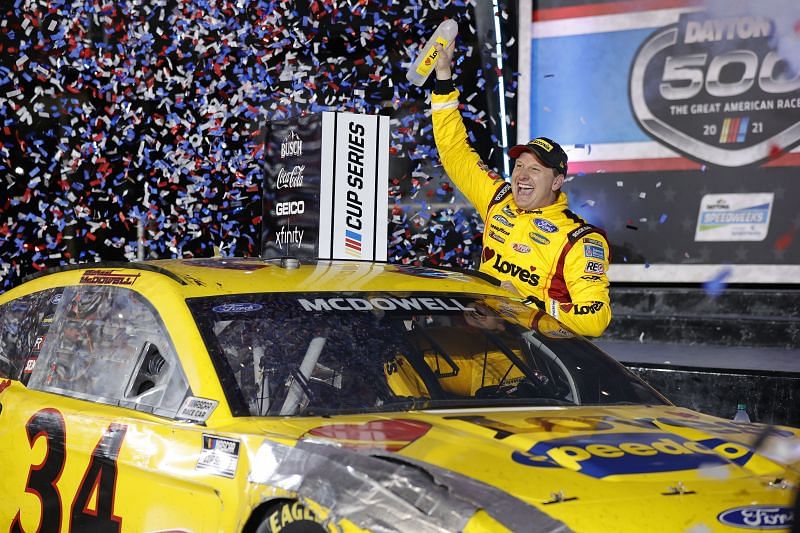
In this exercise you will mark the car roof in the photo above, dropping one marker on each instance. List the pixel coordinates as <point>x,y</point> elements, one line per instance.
<point>200,277</point>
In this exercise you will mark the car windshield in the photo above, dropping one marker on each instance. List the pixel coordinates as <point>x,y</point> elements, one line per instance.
<point>319,354</point>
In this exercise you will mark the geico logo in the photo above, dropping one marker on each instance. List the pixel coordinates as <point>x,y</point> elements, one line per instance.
<point>504,267</point>
<point>290,208</point>
<point>630,453</point>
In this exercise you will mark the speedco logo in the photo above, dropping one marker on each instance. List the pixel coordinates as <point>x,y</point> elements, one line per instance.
<point>630,453</point>
<point>290,208</point>
<point>758,517</point>
<point>716,89</point>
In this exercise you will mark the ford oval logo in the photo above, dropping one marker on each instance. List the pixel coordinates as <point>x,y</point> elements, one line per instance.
<point>545,225</point>
<point>237,308</point>
<point>758,517</point>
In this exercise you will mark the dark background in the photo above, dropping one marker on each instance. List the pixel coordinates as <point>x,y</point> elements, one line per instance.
<point>119,112</point>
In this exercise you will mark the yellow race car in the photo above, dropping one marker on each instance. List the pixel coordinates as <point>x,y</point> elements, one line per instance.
<point>265,395</point>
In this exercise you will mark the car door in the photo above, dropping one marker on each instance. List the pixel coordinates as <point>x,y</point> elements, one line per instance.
<point>92,442</point>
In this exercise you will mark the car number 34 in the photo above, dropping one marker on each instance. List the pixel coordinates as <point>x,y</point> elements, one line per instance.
<point>92,509</point>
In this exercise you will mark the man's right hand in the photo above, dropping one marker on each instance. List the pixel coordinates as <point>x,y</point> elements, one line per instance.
<point>444,63</point>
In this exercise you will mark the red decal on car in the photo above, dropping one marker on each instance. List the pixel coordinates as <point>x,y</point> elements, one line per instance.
<point>390,435</point>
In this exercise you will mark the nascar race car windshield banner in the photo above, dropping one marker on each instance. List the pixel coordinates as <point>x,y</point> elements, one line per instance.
<point>326,187</point>
<point>682,120</point>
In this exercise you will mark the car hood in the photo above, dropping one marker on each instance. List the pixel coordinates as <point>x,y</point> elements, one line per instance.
<point>659,444</point>
<point>651,461</point>
<point>587,456</point>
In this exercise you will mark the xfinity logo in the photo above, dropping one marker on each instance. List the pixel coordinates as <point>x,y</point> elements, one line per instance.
<point>291,179</point>
<point>292,145</point>
<point>290,208</point>
<point>289,236</point>
<point>717,89</point>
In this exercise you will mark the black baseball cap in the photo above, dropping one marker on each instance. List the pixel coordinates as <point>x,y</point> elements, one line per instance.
<point>548,151</point>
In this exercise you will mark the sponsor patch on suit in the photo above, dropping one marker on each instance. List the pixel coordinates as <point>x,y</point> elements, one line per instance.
<point>594,267</point>
<point>545,225</point>
<point>496,237</point>
<point>594,252</point>
<point>538,238</point>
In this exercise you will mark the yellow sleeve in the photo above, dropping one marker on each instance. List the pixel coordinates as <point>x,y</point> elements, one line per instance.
<point>585,270</point>
<point>462,164</point>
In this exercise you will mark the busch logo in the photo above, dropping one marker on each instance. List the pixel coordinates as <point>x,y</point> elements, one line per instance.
<point>292,145</point>
<point>717,89</point>
<point>290,208</point>
<point>292,179</point>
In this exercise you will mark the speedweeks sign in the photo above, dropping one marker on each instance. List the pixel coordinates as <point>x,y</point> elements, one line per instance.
<point>717,89</point>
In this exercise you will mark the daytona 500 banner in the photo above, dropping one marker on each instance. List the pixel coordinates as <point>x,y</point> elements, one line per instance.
<point>326,187</point>
<point>681,120</point>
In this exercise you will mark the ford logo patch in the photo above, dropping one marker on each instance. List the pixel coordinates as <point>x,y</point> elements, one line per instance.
<point>758,517</point>
<point>545,225</point>
<point>237,308</point>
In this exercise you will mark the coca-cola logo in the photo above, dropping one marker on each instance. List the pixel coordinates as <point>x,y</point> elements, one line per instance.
<point>716,88</point>
<point>292,178</point>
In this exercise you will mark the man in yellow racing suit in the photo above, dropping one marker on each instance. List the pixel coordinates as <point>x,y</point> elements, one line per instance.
<point>532,242</point>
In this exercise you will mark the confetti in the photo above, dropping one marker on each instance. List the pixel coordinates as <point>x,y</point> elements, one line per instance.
<point>716,285</point>
<point>159,119</point>
<point>784,241</point>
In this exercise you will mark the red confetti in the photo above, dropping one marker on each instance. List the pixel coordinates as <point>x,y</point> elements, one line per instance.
<point>785,240</point>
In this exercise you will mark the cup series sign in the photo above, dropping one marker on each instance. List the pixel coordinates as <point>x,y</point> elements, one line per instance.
<point>718,89</point>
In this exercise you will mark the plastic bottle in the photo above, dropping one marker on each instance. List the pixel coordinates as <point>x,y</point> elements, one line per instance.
<point>741,413</point>
<point>423,65</point>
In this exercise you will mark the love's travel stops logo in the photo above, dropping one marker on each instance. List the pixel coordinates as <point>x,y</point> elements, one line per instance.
<point>718,89</point>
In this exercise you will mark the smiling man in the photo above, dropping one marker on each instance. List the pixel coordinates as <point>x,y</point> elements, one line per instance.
<point>532,242</point>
